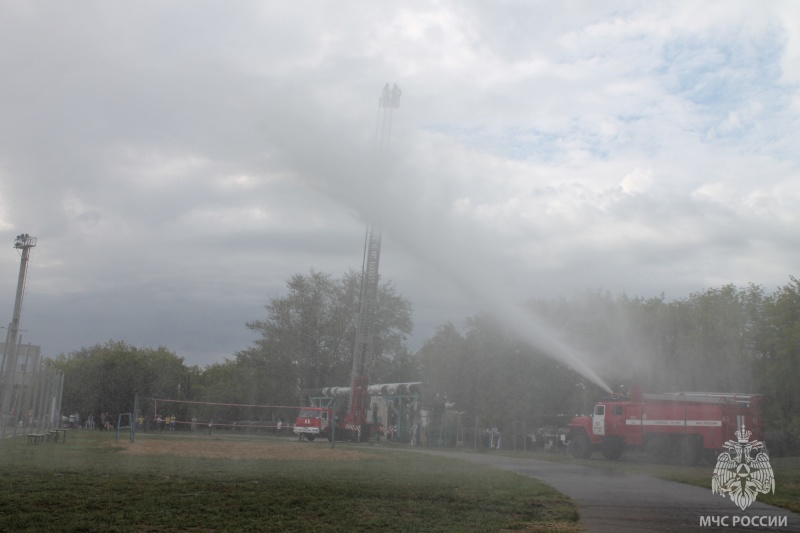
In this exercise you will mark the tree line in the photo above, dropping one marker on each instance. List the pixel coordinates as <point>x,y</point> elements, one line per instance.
<point>726,339</point>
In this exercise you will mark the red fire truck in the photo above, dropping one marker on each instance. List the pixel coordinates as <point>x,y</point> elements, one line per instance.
<point>681,425</point>
<point>313,422</point>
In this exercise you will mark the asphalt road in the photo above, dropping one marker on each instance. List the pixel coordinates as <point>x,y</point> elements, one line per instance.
<point>613,502</point>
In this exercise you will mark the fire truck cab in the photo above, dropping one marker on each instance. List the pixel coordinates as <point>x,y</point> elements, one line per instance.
<point>313,422</point>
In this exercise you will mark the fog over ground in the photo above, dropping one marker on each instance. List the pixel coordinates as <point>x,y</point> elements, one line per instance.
<point>179,161</point>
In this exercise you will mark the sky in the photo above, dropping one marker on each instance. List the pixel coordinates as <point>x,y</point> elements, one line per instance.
<point>179,161</point>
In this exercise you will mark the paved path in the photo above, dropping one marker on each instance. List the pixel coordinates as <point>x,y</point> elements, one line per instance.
<point>614,502</point>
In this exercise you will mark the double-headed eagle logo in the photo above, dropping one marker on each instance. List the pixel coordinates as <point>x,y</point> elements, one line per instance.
<point>743,471</point>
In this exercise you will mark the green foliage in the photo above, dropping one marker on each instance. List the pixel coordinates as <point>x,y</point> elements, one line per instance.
<point>724,339</point>
<point>306,341</point>
<point>308,335</point>
<point>490,374</point>
<point>714,346</point>
<point>778,363</point>
<point>106,378</point>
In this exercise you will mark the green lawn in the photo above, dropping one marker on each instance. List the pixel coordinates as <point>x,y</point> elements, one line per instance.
<point>88,484</point>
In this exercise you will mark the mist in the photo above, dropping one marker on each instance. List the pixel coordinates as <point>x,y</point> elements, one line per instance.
<point>417,198</point>
<point>189,170</point>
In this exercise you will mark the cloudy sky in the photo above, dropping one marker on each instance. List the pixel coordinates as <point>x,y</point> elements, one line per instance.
<point>178,161</point>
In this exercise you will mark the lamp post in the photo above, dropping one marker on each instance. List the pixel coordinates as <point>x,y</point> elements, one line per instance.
<point>24,243</point>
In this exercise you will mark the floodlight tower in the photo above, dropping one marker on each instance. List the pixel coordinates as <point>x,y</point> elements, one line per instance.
<point>24,243</point>
<point>356,417</point>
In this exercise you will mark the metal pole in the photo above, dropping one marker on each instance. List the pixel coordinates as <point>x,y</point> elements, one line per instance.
<point>332,422</point>
<point>514,426</point>
<point>441,429</point>
<point>28,392</point>
<point>135,420</point>
<point>524,436</point>
<point>36,401</point>
<point>59,378</point>
<point>22,242</point>
<point>18,398</point>
<point>3,366</point>
<point>41,402</point>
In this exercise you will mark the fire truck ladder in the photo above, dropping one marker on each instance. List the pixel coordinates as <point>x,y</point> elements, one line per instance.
<point>363,353</point>
<point>365,328</point>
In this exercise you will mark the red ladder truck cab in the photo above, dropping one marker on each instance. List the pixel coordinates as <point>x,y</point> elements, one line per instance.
<point>313,422</point>
<point>682,426</point>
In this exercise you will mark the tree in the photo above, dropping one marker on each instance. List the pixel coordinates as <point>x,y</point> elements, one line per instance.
<point>779,359</point>
<point>725,339</point>
<point>489,373</point>
<point>717,338</point>
<point>107,378</point>
<point>444,363</point>
<point>307,336</point>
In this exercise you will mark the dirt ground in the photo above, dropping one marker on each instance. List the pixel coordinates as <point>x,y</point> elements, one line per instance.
<point>233,449</point>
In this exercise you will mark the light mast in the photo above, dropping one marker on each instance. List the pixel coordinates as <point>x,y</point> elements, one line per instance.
<point>24,243</point>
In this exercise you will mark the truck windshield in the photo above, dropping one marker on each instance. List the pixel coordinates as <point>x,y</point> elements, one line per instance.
<point>308,413</point>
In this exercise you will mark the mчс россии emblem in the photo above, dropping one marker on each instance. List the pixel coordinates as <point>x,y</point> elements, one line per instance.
<point>743,471</point>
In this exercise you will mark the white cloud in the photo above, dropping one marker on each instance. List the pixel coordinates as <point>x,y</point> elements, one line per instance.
<point>715,192</point>
<point>638,181</point>
<point>181,163</point>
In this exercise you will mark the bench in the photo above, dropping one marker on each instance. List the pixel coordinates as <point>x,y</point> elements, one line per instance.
<point>36,438</point>
<point>58,434</point>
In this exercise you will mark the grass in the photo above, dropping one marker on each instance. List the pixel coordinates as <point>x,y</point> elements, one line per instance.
<point>89,484</point>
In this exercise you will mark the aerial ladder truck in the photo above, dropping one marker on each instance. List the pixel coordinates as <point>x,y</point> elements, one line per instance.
<point>356,425</point>
<point>363,350</point>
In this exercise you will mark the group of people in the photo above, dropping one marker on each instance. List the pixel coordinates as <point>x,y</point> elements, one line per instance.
<point>73,421</point>
<point>167,423</point>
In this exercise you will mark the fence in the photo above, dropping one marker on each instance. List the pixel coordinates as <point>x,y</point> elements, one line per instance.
<point>34,401</point>
<point>520,436</point>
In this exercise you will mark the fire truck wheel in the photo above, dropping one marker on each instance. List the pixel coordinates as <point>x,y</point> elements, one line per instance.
<point>580,447</point>
<point>658,449</point>
<point>311,437</point>
<point>612,449</point>
<point>710,456</point>
<point>687,451</point>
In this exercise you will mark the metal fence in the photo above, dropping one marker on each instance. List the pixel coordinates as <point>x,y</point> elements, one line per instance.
<point>34,401</point>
